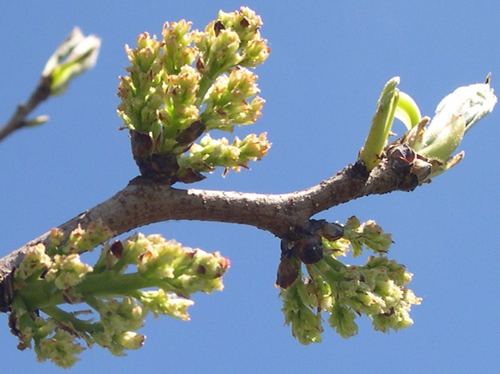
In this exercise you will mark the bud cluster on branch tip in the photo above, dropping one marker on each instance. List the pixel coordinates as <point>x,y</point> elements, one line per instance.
<point>426,147</point>
<point>187,84</point>
<point>163,276</point>
<point>77,54</point>
<point>455,115</point>
<point>377,289</point>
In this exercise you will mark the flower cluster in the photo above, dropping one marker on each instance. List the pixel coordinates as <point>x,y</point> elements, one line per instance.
<point>164,276</point>
<point>187,84</point>
<point>369,234</point>
<point>377,289</point>
<point>219,152</point>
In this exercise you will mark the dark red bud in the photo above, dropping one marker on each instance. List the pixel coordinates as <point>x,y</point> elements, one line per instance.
<point>218,27</point>
<point>244,23</point>
<point>116,249</point>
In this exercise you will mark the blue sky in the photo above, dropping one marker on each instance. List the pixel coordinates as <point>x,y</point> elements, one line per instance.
<point>328,64</point>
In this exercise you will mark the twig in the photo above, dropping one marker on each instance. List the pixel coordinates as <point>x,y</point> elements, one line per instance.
<point>18,119</point>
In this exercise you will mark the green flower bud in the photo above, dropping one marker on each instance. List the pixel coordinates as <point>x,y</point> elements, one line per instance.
<point>306,325</point>
<point>121,315</point>
<point>246,24</point>
<point>211,153</point>
<point>60,349</point>
<point>86,240</point>
<point>67,271</point>
<point>143,58</point>
<point>55,238</point>
<point>342,320</point>
<point>226,102</point>
<point>159,302</point>
<point>253,147</point>
<point>34,263</point>
<point>130,340</point>
<point>79,54</point>
<point>369,234</point>
<point>176,46</point>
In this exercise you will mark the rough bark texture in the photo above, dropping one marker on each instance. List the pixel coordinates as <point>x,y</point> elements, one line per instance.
<point>144,201</point>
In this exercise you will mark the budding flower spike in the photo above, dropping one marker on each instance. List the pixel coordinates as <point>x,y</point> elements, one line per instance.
<point>187,84</point>
<point>77,54</point>
<point>131,278</point>
<point>343,292</point>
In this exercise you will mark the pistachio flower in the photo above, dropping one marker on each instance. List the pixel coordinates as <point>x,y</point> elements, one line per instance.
<point>67,271</point>
<point>306,324</point>
<point>74,56</point>
<point>188,84</point>
<point>377,289</point>
<point>59,348</point>
<point>46,278</point>
<point>34,263</point>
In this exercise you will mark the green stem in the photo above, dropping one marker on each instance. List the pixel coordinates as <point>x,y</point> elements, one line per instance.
<point>208,80</point>
<point>205,84</point>
<point>333,263</point>
<point>62,316</point>
<point>42,294</point>
<point>327,268</point>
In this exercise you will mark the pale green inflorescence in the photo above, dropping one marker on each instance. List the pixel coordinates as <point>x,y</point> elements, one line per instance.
<point>188,84</point>
<point>163,276</point>
<point>377,289</point>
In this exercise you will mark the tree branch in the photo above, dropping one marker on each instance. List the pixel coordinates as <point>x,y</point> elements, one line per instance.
<point>18,119</point>
<point>144,201</point>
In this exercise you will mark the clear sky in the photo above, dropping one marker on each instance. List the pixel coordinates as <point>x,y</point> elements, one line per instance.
<point>328,64</point>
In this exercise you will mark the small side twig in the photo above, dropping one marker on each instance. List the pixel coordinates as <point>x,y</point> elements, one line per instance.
<point>18,119</point>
